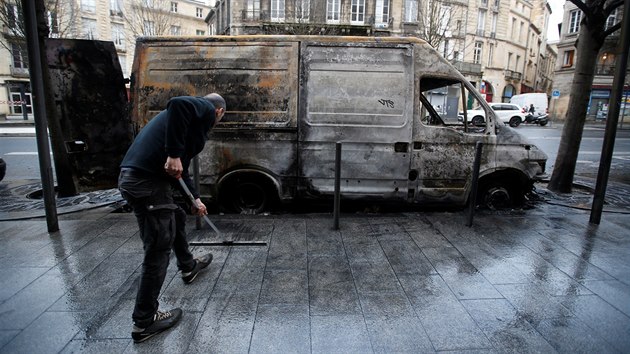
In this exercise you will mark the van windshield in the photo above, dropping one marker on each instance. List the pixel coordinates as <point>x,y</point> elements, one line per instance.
<point>447,102</point>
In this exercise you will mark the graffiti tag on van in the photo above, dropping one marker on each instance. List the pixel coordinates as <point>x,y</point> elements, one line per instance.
<point>388,103</point>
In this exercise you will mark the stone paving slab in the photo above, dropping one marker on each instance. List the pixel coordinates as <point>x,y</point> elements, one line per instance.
<point>538,280</point>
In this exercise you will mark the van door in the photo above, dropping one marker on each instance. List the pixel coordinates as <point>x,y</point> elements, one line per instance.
<point>444,145</point>
<point>358,94</point>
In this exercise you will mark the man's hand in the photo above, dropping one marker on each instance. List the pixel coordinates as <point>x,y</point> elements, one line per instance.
<point>173,167</point>
<point>200,209</point>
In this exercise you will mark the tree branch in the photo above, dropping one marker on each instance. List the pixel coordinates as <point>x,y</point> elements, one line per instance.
<point>612,29</point>
<point>612,7</point>
<point>582,6</point>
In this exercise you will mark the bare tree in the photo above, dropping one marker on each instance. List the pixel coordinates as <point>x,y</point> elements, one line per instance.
<point>591,38</point>
<point>61,17</point>
<point>150,17</point>
<point>435,19</point>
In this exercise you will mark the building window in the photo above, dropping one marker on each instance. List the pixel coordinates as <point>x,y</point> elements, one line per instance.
<point>252,9</point>
<point>53,24</point>
<point>201,33</point>
<point>176,30</point>
<point>481,22</point>
<point>199,12</point>
<point>567,60</point>
<point>490,54</point>
<point>14,17</point>
<point>123,65</point>
<point>115,7</point>
<point>303,10</point>
<point>277,10</point>
<point>411,11</point>
<point>89,28</point>
<point>118,35</point>
<point>20,56</point>
<point>332,11</point>
<point>357,12</point>
<point>173,6</point>
<point>149,28</point>
<point>518,63</point>
<point>88,5</point>
<point>493,26</point>
<point>612,19</point>
<point>382,13</point>
<point>513,32</point>
<point>477,53</point>
<point>574,22</point>
<point>509,61</point>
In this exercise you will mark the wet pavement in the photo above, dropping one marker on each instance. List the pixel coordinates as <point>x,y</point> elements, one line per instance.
<point>539,279</point>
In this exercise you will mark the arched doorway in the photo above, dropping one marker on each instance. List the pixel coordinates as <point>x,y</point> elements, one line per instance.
<point>508,92</point>
<point>486,90</point>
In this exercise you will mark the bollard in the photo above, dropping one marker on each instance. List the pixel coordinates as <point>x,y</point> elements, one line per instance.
<point>337,185</point>
<point>475,178</point>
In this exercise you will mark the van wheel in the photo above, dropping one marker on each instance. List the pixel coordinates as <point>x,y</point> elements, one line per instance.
<point>246,194</point>
<point>498,195</point>
<point>515,122</point>
<point>478,121</point>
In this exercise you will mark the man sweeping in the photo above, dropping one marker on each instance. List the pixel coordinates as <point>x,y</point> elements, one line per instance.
<point>158,157</point>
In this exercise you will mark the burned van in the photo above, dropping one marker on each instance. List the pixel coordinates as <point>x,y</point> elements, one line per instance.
<point>393,104</point>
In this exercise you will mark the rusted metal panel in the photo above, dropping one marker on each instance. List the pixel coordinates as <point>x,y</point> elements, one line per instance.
<point>359,94</point>
<point>91,100</point>
<point>257,79</point>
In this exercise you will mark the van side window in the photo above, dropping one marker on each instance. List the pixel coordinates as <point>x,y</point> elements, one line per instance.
<point>443,101</point>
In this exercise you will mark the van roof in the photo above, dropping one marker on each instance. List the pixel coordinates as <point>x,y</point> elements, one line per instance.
<point>284,38</point>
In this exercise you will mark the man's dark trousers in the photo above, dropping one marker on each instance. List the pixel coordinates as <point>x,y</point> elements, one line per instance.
<point>162,228</point>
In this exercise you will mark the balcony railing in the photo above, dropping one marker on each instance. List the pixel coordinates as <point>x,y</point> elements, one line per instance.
<point>512,75</point>
<point>19,72</point>
<point>606,70</point>
<point>468,68</point>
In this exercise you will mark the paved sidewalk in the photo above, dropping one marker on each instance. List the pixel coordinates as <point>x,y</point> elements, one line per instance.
<point>538,280</point>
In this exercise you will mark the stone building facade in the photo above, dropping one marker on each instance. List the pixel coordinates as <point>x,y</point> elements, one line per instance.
<point>118,21</point>
<point>499,45</point>
<point>604,71</point>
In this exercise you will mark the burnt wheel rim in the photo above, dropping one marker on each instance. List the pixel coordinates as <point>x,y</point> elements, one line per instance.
<point>250,197</point>
<point>497,198</point>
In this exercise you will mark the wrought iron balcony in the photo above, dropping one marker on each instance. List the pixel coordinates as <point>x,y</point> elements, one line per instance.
<point>512,75</point>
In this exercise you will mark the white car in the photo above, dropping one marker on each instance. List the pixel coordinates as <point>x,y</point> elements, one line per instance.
<point>508,113</point>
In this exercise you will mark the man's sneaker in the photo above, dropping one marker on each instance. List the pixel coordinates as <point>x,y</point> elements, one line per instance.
<point>200,263</point>
<point>161,322</point>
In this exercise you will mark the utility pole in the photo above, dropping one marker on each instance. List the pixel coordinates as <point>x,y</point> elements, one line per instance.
<point>39,112</point>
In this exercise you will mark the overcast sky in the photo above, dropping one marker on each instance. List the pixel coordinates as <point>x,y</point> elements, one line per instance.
<point>555,19</point>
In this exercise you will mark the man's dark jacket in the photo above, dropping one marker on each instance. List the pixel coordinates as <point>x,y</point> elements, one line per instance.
<point>179,131</point>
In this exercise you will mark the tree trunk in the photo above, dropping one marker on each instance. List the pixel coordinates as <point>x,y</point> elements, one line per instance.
<point>588,48</point>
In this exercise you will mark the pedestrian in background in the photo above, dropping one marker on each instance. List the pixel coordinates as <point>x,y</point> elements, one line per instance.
<point>159,155</point>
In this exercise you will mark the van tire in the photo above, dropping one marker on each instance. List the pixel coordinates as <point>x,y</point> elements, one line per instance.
<point>478,121</point>
<point>498,194</point>
<point>246,194</point>
<point>515,122</point>
<point>542,124</point>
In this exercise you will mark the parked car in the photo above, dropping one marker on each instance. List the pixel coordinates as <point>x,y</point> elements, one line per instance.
<point>508,113</point>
